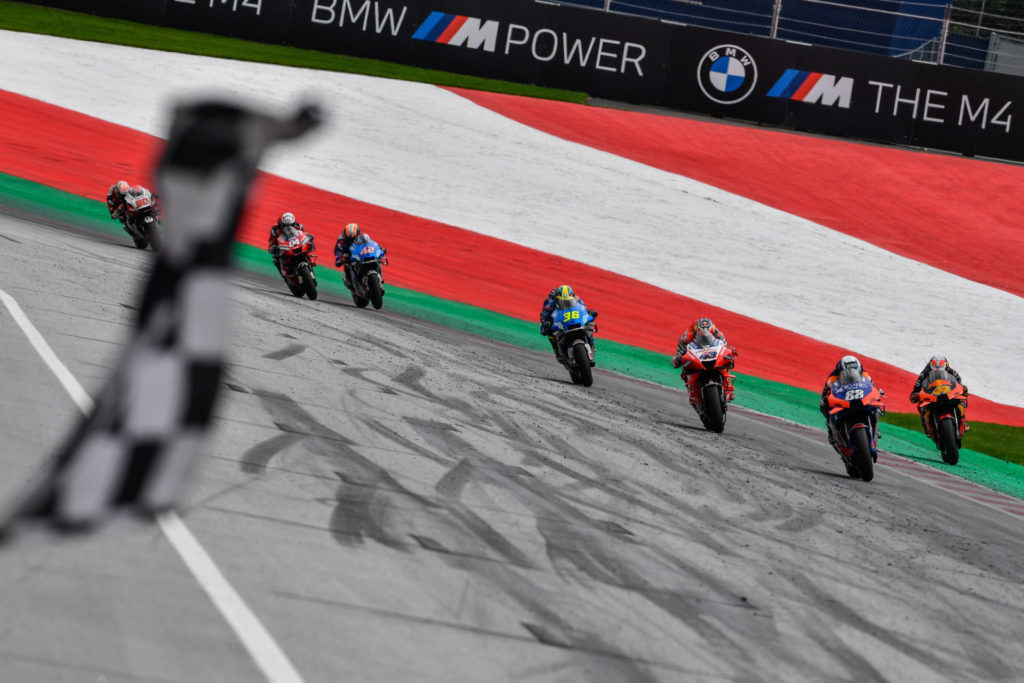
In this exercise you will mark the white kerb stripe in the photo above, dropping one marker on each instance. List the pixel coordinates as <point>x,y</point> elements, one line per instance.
<point>262,647</point>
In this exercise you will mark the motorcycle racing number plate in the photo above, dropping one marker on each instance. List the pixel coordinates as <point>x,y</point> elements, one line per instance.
<point>366,251</point>
<point>708,355</point>
<point>141,202</point>
<point>570,315</point>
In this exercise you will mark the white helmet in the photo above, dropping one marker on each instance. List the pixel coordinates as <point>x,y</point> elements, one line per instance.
<point>850,370</point>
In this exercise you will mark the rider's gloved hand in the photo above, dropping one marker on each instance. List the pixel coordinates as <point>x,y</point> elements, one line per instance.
<point>545,328</point>
<point>593,313</point>
<point>914,398</point>
<point>677,361</point>
<point>966,393</point>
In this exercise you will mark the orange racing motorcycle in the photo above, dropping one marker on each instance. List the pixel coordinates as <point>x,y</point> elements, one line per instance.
<point>941,402</point>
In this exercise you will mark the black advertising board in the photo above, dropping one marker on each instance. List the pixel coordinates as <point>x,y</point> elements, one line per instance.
<point>847,93</point>
<point>635,60</point>
<point>527,42</point>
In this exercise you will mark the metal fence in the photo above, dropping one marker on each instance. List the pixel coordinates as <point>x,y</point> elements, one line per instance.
<point>924,30</point>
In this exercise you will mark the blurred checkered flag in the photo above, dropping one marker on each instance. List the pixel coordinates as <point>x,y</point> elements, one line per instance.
<point>137,447</point>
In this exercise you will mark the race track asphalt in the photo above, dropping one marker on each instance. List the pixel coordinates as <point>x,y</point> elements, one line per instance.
<point>397,501</point>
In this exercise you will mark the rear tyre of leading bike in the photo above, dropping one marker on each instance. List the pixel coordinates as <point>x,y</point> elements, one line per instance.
<point>714,416</point>
<point>308,283</point>
<point>582,360</point>
<point>861,443</point>
<point>947,442</point>
<point>374,290</point>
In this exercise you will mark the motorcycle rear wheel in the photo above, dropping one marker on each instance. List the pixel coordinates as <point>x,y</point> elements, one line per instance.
<point>714,416</point>
<point>861,443</point>
<point>947,442</point>
<point>582,359</point>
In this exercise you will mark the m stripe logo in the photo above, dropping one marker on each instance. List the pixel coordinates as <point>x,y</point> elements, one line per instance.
<point>811,87</point>
<point>458,30</point>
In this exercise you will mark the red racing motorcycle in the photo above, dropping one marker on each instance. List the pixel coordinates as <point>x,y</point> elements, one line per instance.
<point>297,255</point>
<point>706,367</point>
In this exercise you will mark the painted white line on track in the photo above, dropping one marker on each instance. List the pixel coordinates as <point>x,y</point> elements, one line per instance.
<point>64,376</point>
<point>264,650</point>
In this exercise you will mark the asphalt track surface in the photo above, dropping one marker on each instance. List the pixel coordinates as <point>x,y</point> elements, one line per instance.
<point>398,501</point>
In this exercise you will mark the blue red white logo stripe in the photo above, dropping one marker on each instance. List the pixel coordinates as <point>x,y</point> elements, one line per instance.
<point>440,27</point>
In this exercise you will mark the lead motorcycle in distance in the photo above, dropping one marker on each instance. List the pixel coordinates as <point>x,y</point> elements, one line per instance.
<point>941,403</point>
<point>142,218</point>
<point>853,412</point>
<point>573,329</point>
<point>297,255</point>
<point>366,258</point>
<point>712,363</point>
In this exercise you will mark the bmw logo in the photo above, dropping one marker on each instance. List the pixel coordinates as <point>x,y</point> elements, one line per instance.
<point>727,74</point>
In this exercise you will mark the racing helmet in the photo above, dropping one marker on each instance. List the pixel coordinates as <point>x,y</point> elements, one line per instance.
<point>938,363</point>
<point>123,187</point>
<point>565,297</point>
<point>704,332</point>
<point>352,231</point>
<point>287,219</point>
<point>850,370</point>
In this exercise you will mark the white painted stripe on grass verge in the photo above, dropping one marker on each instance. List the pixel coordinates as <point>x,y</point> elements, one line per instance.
<point>262,647</point>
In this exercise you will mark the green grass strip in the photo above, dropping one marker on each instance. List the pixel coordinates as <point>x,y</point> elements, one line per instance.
<point>19,16</point>
<point>902,434</point>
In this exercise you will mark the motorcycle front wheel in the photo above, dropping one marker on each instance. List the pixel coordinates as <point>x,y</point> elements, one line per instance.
<point>582,359</point>
<point>947,442</point>
<point>374,290</point>
<point>155,239</point>
<point>861,443</point>
<point>308,283</point>
<point>714,416</point>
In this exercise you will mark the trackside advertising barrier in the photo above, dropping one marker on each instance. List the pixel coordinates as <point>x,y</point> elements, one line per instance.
<point>632,59</point>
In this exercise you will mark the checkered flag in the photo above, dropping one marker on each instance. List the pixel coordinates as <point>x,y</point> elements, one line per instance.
<point>136,449</point>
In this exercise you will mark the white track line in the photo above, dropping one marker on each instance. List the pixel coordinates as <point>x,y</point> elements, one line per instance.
<point>262,647</point>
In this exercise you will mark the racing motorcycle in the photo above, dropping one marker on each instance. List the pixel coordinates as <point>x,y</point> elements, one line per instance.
<point>573,329</point>
<point>712,363</point>
<point>941,403</point>
<point>364,263</point>
<point>853,412</point>
<point>297,255</point>
<point>142,219</point>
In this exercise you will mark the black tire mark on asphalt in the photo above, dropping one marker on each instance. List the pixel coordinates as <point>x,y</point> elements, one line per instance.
<point>287,352</point>
<point>255,459</point>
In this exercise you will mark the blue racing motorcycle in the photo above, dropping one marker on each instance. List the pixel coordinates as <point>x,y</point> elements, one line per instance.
<point>853,412</point>
<point>573,329</point>
<point>365,260</point>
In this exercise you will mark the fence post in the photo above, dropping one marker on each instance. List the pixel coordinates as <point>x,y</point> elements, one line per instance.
<point>945,33</point>
<point>776,11</point>
<point>607,5</point>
